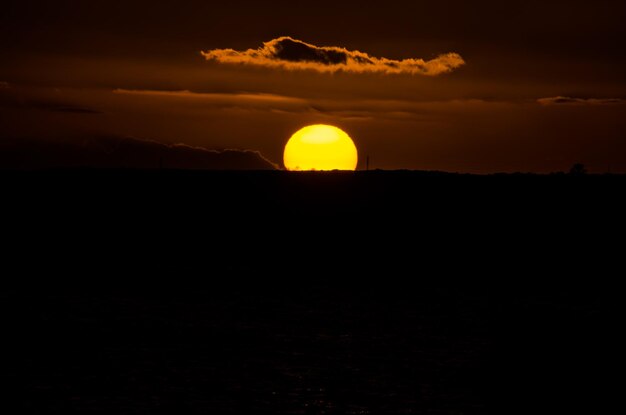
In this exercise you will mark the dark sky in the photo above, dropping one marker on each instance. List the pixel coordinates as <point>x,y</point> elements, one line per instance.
<point>84,69</point>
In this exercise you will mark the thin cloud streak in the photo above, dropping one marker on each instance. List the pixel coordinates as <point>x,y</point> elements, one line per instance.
<point>293,54</point>
<point>210,96</point>
<point>358,110</point>
<point>559,100</point>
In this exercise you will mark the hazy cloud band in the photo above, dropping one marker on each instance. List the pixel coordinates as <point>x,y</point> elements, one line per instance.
<point>260,98</point>
<point>579,101</point>
<point>288,53</point>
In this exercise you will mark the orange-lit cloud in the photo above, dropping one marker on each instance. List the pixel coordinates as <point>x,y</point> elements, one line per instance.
<point>288,53</point>
<point>579,101</point>
<point>346,109</point>
<point>212,100</point>
<point>211,96</point>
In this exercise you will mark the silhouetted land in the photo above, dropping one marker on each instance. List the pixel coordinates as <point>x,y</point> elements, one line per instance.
<point>386,292</point>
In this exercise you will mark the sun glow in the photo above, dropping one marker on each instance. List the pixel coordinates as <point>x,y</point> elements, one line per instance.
<point>320,147</point>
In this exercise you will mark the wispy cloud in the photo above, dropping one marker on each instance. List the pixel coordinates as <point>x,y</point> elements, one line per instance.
<point>559,100</point>
<point>61,107</point>
<point>42,99</point>
<point>288,53</point>
<point>210,100</point>
<point>210,96</point>
<point>346,109</point>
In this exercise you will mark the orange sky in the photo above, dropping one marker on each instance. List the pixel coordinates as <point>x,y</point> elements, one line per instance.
<point>529,91</point>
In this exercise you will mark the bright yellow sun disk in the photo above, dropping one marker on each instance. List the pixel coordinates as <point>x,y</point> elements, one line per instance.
<point>320,147</point>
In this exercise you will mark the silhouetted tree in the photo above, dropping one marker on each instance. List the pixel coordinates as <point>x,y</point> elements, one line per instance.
<point>578,169</point>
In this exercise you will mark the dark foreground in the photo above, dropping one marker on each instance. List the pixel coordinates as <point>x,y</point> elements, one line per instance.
<point>265,292</point>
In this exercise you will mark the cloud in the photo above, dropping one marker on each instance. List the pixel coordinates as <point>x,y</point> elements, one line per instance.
<point>61,107</point>
<point>26,99</point>
<point>579,101</point>
<point>288,53</point>
<point>123,152</point>
<point>211,101</point>
<point>214,97</point>
<point>347,109</point>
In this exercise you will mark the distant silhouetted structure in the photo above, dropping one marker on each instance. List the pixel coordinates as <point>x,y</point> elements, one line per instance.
<point>578,169</point>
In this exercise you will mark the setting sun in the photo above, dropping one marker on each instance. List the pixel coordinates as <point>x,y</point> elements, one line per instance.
<point>320,147</point>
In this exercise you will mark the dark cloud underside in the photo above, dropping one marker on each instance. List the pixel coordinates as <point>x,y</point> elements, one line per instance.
<point>123,152</point>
